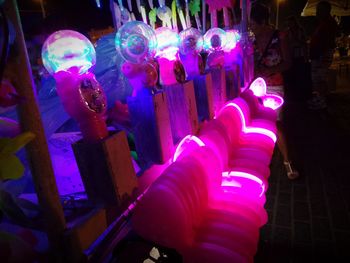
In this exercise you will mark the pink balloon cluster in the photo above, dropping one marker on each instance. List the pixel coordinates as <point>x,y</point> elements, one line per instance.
<point>208,204</point>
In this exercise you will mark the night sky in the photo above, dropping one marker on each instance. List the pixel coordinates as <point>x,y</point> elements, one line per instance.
<point>83,15</point>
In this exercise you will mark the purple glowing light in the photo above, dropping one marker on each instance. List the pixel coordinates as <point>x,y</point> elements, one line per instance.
<point>66,49</point>
<point>187,142</point>
<point>259,88</point>
<point>250,129</point>
<point>168,43</point>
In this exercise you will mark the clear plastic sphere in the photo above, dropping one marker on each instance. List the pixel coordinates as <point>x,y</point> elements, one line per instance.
<point>167,39</point>
<point>136,41</point>
<point>215,39</point>
<point>65,49</point>
<point>191,41</point>
<point>232,37</point>
<point>164,13</point>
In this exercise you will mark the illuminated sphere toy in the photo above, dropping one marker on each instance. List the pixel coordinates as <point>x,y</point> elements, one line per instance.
<point>215,39</point>
<point>136,41</point>
<point>191,41</point>
<point>65,49</point>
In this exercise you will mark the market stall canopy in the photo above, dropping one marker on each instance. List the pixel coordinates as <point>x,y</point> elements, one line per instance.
<point>339,7</point>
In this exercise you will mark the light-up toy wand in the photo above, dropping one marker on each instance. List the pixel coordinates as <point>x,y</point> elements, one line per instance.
<point>137,43</point>
<point>170,68</point>
<point>68,56</point>
<point>190,47</point>
<point>214,42</point>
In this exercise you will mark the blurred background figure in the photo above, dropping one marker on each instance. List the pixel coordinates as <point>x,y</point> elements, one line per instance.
<point>322,45</point>
<point>298,77</point>
<point>272,59</point>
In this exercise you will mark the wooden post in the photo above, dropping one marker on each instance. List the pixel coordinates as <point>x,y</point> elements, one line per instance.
<point>107,170</point>
<point>218,77</point>
<point>37,150</point>
<point>204,96</point>
<point>182,110</point>
<point>151,127</point>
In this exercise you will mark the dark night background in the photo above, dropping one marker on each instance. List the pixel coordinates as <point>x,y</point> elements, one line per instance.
<point>83,15</point>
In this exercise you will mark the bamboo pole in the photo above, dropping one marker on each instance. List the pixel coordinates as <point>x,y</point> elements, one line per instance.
<point>30,120</point>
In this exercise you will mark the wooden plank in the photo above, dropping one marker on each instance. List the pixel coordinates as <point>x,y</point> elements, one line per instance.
<point>107,170</point>
<point>218,87</point>
<point>204,96</point>
<point>191,106</point>
<point>182,110</point>
<point>30,120</point>
<point>82,232</point>
<point>151,127</point>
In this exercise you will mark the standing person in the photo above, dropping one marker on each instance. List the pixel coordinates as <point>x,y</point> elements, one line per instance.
<point>322,46</point>
<point>271,60</point>
<point>298,77</point>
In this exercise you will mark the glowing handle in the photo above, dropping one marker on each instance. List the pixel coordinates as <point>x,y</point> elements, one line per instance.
<point>174,17</point>
<point>143,14</point>
<point>214,19</point>
<point>204,16</point>
<point>188,19</point>
<point>138,3</point>
<point>226,17</point>
<point>198,21</point>
<point>182,19</point>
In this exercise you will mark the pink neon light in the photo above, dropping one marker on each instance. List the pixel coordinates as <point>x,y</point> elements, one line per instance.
<point>250,129</point>
<point>272,101</point>
<point>242,175</point>
<point>183,144</point>
<point>258,87</point>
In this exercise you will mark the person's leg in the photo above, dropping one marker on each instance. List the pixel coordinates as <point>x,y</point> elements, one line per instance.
<point>317,101</point>
<point>283,147</point>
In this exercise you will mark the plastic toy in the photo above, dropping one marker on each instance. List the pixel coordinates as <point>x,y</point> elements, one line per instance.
<point>191,46</point>
<point>170,67</point>
<point>136,42</point>
<point>68,56</point>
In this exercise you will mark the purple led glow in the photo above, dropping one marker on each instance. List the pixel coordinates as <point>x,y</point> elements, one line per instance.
<point>168,43</point>
<point>250,129</point>
<point>186,143</point>
<point>228,180</point>
<point>259,88</point>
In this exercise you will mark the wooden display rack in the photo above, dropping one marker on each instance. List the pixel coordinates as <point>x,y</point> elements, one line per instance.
<point>203,89</point>
<point>182,110</point>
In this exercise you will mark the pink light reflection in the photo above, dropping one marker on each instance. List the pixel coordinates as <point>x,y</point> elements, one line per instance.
<point>185,143</point>
<point>227,179</point>
<point>250,129</point>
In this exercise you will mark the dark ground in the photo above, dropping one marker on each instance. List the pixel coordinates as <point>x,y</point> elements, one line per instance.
<point>309,217</point>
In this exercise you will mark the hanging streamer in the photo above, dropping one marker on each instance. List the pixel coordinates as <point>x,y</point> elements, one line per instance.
<point>195,8</point>
<point>143,11</point>
<point>153,17</point>
<point>173,12</point>
<point>125,15</point>
<point>181,14</point>
<point>188,19</point>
